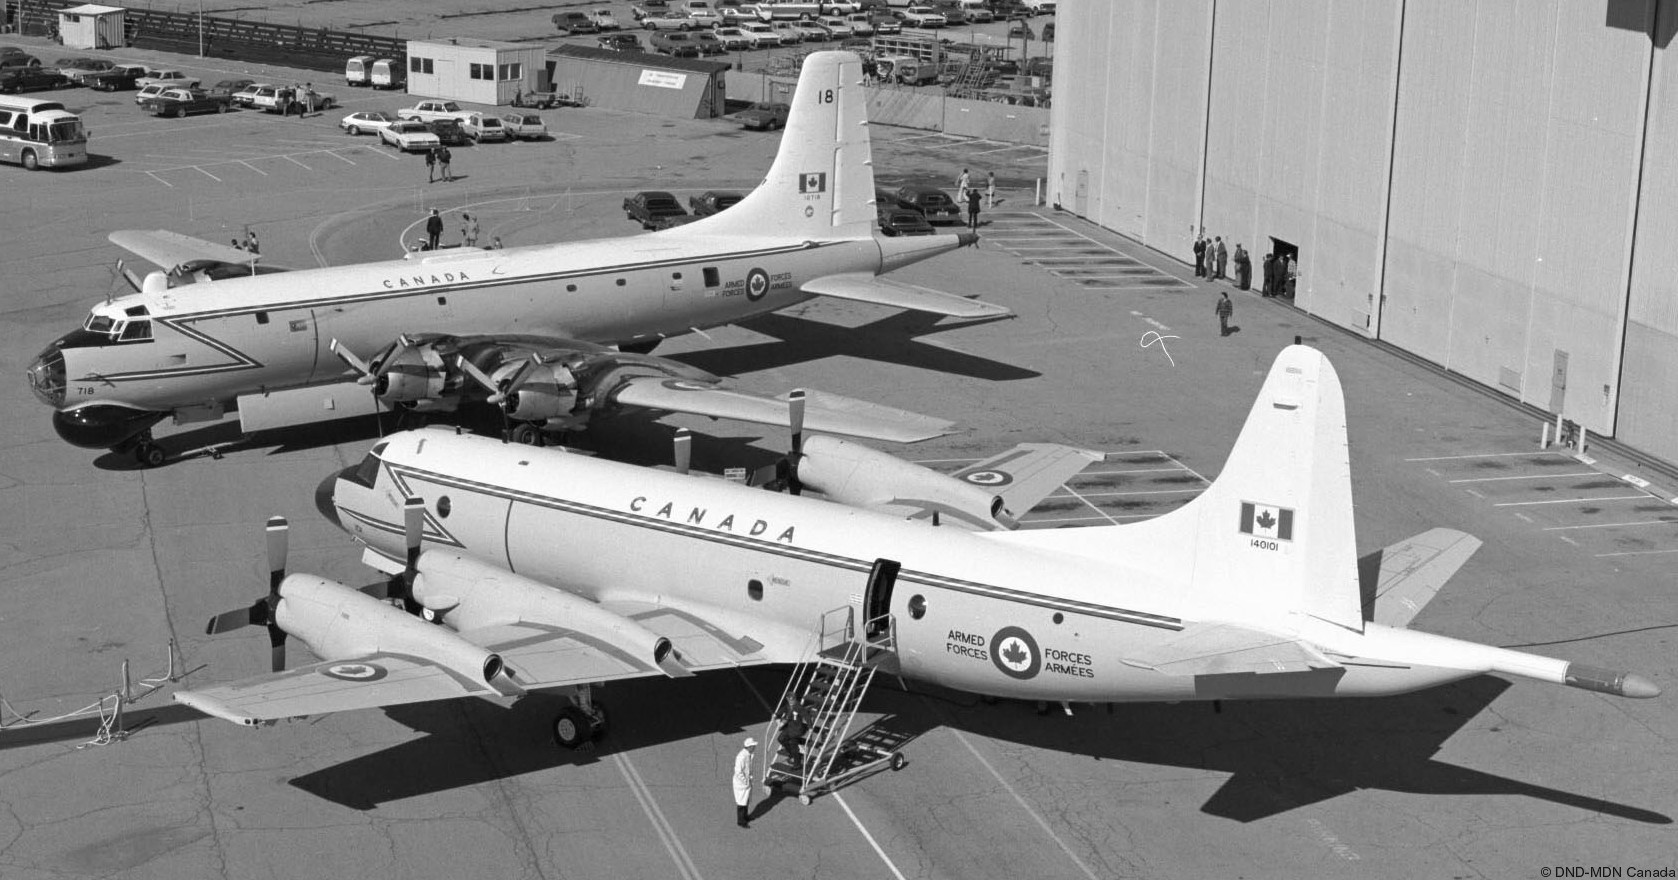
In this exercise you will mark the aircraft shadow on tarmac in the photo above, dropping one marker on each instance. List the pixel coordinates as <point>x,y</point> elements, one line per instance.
<point>892,339</point>
<point>1286,754</point>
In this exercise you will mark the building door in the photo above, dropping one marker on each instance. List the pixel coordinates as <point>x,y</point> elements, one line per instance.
<point>1081,195</point>
<point>1284,270</point>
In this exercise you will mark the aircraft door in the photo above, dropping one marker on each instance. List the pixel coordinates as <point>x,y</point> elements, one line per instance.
<point>876,599</point>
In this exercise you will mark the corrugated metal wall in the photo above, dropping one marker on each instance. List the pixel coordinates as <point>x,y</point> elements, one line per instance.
<point>1480,163</point>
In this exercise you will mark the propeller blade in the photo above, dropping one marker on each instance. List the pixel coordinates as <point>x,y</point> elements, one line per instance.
<point>279,535</point>
<point>228,621</point>
<point>354,362</point>
<point>795,413</point>
<point>413,524</point>
<point>276,648</point>
<point>477,375</point>
<point>684,450</point>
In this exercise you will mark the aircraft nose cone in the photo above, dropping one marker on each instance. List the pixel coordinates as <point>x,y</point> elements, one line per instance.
<point>324,501</point>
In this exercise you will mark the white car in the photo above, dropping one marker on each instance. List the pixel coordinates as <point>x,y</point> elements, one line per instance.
<point>733,38</point>
<point>426,111</point>
<point>526,126</point>
<point>837,27</point>
<point>482,127</point>
<point>762,35</point>
<point>603,20</point>
<point>923,17</point>
<point>705,17</point>
<point>148,91</point>
<point>367,121</point>
<point>860,24</point>
<point>409,136</point>
<point>170,78</point>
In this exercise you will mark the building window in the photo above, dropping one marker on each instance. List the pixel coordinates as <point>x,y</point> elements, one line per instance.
<point>512,71</point>
<point>419,65</point>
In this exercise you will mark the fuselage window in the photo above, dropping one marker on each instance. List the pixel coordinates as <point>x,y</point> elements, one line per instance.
<point>622,282</point>
<point>754,589</point>
<point>917,606</point>
<point>570,288</point>
<point>261,317</point>
<point>444,506</point>
<point>712,277</point>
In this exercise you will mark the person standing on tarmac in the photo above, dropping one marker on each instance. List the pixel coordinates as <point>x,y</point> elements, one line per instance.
<point>743,782</point>
<point>433,230</point>
<point>1225,310</point>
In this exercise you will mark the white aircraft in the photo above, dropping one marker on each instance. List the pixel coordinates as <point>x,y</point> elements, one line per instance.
<point>529,327</point>
<point>551,569</point>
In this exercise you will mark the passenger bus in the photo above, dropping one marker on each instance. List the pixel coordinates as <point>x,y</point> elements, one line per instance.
<point>40,134</point>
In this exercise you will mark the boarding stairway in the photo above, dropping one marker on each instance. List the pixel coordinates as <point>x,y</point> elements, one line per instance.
<point>826,689</point>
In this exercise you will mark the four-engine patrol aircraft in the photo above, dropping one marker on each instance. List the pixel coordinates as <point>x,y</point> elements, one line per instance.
<point>528,327</point>
<point>547,569</point>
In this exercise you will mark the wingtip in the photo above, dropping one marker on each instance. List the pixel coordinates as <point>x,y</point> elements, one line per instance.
<point>214,708</point>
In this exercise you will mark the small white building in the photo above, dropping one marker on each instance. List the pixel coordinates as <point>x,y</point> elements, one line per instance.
<point>465,69</point>
<point>91,27</point>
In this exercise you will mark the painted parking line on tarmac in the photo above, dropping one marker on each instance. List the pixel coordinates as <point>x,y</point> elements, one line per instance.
<point>1526,477</point>
<point>1029,810</point>
<point>1580,500</point>
<point>661,825</point>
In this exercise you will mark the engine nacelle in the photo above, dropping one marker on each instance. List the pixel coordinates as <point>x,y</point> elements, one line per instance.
<point>338,623</point>
<point>549,391</point>
<point>853,474</point>
<point>472,594</point>
<point>412,375</point>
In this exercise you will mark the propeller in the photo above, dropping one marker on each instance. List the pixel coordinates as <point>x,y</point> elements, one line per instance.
<point>784,473</point>
<point>369,371</point>
<point>503,394</point>
<point>262,613</point>
<point>683,450</point>
<point>413,533</point>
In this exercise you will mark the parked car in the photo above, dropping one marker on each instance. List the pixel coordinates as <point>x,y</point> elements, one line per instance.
<point>30,79</point>
<point>77,70</point>
<point>895,221</point>
<point>425,111</point>
<point>837,28</point>
<point>861,24</point>
<point>482,127</point>
<point>450,132</point>
<point>713,201</point>
<point>18,61</point>
<point>922,17</point>
<point>408,136</point>
<point>177,102</point>
<point>575,22</point>
<point>388,73</point>
<point>358,70</point>
<point>763,116</point>
<point>762,35</point>
<point>603,20</point>
<point>709,44</point>
<point>705,18</point>
<point>675,43</point>
<point>668,22</point>
<point>734,39</point>
<point>650,208</point>
<point>172,78</point>
<point>367,121</point>
<point>932,203</point>
<point>646,8</point>
<point>525,126</point>
<point>121,77</point>
<point>885,22</point>
<point>620,43</point>
<point>227,88</point>
<point>246,97</point>
<point>148,91</point>
<point>812,32</point>
<point>789,31</point>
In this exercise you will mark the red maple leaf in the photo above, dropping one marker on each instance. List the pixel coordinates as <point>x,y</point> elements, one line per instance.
<point>1265,520</point>
<point>1015,654</point>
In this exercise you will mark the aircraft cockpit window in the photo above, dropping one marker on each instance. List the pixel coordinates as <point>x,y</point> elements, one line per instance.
<point>97,323</point>
<point>367,473</point>
<point>135,331</point>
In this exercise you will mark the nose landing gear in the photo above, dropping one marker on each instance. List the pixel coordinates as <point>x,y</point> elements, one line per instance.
<point>144,449</point>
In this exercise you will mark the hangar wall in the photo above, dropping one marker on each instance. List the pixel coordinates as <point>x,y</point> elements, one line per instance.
<point>1463,178</point>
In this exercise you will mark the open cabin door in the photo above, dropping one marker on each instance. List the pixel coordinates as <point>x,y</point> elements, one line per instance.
<point>876,599</point>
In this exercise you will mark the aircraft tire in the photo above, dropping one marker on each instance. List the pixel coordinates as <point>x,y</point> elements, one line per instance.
<point>526,434</point>
<point>572,728</point>
<point>149,455</point>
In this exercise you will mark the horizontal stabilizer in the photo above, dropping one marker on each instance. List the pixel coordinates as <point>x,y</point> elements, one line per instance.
<point>172,250</point>
<point>1223,649</point>
<point>1413,570</point>
<point>883,292</point>
<point>1028,473</point>
<point>825,413</point>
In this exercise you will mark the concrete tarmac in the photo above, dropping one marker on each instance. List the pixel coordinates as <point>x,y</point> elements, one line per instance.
<point>104,563</point>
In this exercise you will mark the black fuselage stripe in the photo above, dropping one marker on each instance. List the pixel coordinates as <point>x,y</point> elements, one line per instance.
<point>763,546</point>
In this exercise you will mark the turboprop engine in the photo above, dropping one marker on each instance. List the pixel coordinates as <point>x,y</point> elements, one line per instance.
<point>468,594</point>
<point>853,474</point>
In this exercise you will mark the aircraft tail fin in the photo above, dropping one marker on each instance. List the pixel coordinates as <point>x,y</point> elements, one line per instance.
<point>1273,533</point>
<point>821,184</point>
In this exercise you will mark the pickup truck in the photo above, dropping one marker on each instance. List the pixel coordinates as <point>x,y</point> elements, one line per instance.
<point>180,102</point>
<point>763,116</point>
<point>426,111</point>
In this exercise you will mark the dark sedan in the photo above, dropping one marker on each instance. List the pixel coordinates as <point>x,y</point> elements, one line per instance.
<point>933,203</point>
<point>652,210</point>
<point>712,201</point>
<point>29,79</point>
<point>448,132</point>
<point>896,221</point>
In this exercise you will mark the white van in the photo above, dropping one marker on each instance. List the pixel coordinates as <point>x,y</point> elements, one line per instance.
<point>388,73</point>
<point>356,70</point>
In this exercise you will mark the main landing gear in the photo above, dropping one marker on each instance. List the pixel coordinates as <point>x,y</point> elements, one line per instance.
<point>578,725</point>
<point>144,449</point>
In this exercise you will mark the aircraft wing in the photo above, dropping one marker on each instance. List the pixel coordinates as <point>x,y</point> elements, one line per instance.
<point>172,250</point>
<point>333,686</point>
<point>1413,570</point>
<point>885,292</point>
<point>1222,649</point>
<point>1028,473</point>
<point>824,413</point>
